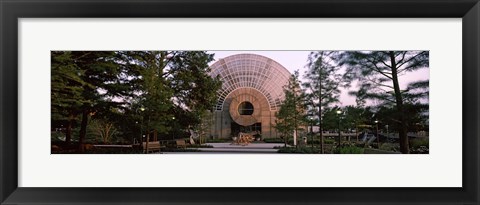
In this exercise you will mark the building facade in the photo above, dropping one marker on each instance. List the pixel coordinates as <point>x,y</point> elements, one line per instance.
<point>251,94</point>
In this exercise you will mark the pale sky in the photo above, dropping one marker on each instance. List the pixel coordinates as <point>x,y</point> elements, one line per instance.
<point>297,60</point>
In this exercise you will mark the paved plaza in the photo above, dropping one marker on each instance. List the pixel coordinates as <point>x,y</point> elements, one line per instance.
<point>228,148</point>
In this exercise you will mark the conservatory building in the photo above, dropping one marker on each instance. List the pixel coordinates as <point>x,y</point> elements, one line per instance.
<point>251,94</point>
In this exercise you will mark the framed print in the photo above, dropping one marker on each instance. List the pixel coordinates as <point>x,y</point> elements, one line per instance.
<point>125,88</point>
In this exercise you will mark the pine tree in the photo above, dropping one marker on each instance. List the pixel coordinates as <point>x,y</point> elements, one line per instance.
<point>67,88</point>
<point>322,84</point>
<point>378,72</point>
<point>174,87</point>
<point>292,113</point>
<point>101,73</point>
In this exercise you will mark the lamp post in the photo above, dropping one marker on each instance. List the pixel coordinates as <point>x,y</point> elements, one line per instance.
<point>141,126</point>
<point>141,122</point>
<point>339,134</point>
<point>378,136</point>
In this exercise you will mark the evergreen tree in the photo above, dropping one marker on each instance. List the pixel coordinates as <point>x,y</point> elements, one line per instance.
<point>322,84</point>
<point>195,92</point>
<point>85,83</point>
<point>378,72</point>
<point>292,113</point>
<point>101,71</point>
<point>174,87</point>
<point>67,88</point>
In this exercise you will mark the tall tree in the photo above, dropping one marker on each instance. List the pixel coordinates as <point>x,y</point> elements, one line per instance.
<point>169,84</point>
<point>322,84</point>
<point>195,91</point>
<point>174,87</point>
<point>378,72</point>
<point>102,74</point>
<point>66,91</point>
<point>292,113</point>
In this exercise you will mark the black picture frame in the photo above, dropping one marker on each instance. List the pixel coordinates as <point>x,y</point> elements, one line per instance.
<point>11,11</point>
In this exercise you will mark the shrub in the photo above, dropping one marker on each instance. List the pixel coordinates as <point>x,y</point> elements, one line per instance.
<point>328,141</point>
<point>273,140</point>
<point>348,150</point>
<point>420,150</point>
<point>199,146</point>
<point>299,150</point>
<point>217,140</point>
<point>416,143</point>
<point>389,147</point>
<point>57,137</point>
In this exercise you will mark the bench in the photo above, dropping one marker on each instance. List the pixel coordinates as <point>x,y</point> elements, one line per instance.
<point>180,143</point>
<point>153,146</point>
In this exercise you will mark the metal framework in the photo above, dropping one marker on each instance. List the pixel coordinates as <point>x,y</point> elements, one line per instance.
<point>251,71</point>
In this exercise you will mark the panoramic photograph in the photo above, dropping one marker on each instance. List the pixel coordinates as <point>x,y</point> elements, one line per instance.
<point>240,102</point>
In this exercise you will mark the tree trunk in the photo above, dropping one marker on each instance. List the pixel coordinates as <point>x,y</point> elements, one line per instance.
<point>83,131</point>
<point>322,150</point>
<point>320,130</point>
<point>404,148</point>
<point>68,132</point>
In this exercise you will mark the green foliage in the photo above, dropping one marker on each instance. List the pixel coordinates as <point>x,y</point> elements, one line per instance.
<point>291,115</point>
<point>199,146</point>
<point>322,79</point>
<point>378,71</point>
<point>173,86</point>
<point>299,150</point>
<point>419,142</point>
<point>273,140</point>
<point>217,140</point>
<point>348,150</point>
<point>322,85</point>
<point>389,147</point>
<point>329,141</point>
<point>378,75</point>
<point>57,136</point>
<point>349,119</point>
<point>416,116</point>
<point>67,86</point>
<point>84,82</point>
<point>290,141</point>
<point>204,126</point>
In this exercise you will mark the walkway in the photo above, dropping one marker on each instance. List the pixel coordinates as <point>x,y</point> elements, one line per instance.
<point>227,148</point>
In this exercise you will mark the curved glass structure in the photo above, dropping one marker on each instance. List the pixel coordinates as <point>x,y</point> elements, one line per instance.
<point>253,71</point>
<point>245,108</point>
<point>251,94</point>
